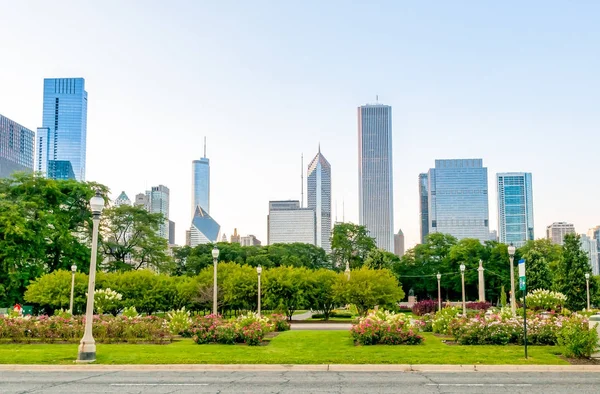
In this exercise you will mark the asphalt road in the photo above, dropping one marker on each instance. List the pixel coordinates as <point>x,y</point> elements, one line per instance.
<point>296,382</point>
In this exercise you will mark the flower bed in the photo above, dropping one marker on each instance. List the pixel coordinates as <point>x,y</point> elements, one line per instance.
<point>383,327</point>
<point>249,329</point>
<point>106,329</point>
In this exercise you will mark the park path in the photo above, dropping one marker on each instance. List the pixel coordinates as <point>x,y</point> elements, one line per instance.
<point>303,316</point>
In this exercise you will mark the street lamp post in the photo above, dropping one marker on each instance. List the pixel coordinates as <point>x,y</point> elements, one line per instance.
<point>87,346</point>
<point>587,289</point>
<point>259,271</point>
<point>215,255</point>
<point>73,270</point>
<point>462,274</point>
<point>439,278</point>
<point>511,257</point>
<point>347,271</point>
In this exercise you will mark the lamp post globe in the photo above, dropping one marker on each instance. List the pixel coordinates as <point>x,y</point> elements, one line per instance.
<point>87,346</point>
<point>215,253</point>
<point>511,257</point>
<point>73,268</point>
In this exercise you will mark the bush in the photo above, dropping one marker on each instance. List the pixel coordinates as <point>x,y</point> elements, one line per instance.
<point>577,340</point>
<point>280,322</point>
<point>107,300</point>
<point>250,329</point>
<point>386,328</point>
<point>426,322</point>
<point>130,312</point>
<point>479,306</point>
<point>179,322</point>
<point>545,300</point>
<point>442,319</point>
<point>423,307</point>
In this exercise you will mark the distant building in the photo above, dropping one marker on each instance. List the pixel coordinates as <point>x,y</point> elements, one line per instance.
<point>61,141</point>
<point>158,202</point>
<point>204,229</point>
<point>399,243</point>
<point>224,238</point>
<point>375,173</point>
<point>141,200</point>
<point>201,183</point>
<point>16,148</point>
<point>594,233</point>
<point>171,232</point>
<point>319,198</point>
<point>423,206</point>
<point>590,247</point>
<point>288,223</point>
<point>188,237</point>
<point>515,207</point>
<point>235,238</point>
<point>122,200</point>
<point>494,235</point>
<point>458,199</point>
<point>249,240</point>
<point>556,232</point>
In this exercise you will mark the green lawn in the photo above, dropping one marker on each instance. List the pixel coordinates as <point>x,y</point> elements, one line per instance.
<point>291,347</point>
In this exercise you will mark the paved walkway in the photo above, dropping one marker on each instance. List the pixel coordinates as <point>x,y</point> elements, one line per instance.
<point>321,326</point>
<point>303,316</point>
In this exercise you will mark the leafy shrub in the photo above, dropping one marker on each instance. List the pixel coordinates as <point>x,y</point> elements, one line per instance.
<point>345,315</point>
<point>386,328</point>
<point>179,322</point>
<point>426,322</point>
<point>130,312</point>
<point>249,329</point>
<point>426,306</point>
<point>280,322</point>
<point>576,338</point>
<point>478,306</point>
<point>545,300</point>
<point>442,319</point>
<point>62,313</point>
<point>107,300</point>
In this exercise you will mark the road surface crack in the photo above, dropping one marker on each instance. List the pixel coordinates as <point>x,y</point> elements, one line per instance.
<point>67,382</point>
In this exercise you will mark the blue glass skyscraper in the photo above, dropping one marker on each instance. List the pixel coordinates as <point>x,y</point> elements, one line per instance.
<point>61,141</point>
<point>424,206</point>
<point>319,198</point>
<point>515,207</point>
<point>16,148</point>
<point>201,183</point>
<point>375,180</point>
<point>458,199</point>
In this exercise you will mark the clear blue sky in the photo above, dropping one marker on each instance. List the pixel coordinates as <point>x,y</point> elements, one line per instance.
<point>515,84</point>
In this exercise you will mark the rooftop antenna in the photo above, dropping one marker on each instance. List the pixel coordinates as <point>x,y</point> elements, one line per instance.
<point>302,179</point>
<point>205,146</point>
<point>343,212</point>
<point>377,98</point>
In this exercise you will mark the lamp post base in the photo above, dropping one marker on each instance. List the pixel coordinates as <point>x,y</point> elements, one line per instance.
<point>87,353</point>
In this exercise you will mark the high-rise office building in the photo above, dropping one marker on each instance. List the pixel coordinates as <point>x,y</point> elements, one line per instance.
<point>141,200</point>
<point>171,232</point>
<point>201,183</point>
<point>158,202</point>
<point>375,180</point>
<point>594,233</point>
<point>556,232</point>
<point>399,243</point>
<point>61,141</point>
<point>288,223</point>
<point>515,207</point>
<point>590,246</point>
<point>123,199</point>
<point>458,199</point>
<point>16,148</point>
<point>204,228</point>
<point>319,198</point>
<point>249,240</point>
<point>235,237</point>
<point>423,206</point>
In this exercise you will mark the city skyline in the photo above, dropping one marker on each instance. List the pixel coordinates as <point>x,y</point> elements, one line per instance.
<point>475,81</point>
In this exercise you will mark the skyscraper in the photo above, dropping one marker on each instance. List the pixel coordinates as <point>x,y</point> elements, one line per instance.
<point>61,141</point>
<point>235,237</point>
<point>171,232</point>
<point>375,180</point>
<point>515,207</point>
<point>16,147</point>
<point>204,229</point>
<point>319,198</point>
<point>201,183</point>
<point>423,206</point>
<point>458,199</point>
<point>594,233</point>
<point>590,247</point>
<point>556,232</point>
<point>399,243</point>
<point>158,202</point>
<point>288,223</point>
<point>122,199</point>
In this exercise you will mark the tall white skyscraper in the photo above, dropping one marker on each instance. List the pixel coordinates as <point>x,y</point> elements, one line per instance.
<point>201,183</point>
<point>515,207</point>
<point>319,198</point>
<point>375,174</point>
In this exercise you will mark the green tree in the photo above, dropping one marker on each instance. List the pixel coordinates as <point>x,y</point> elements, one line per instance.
<point>541,248</point>
<point>53,291</point>
<point>570,278</point>
<point>287,288</point>
<point>537,271</point>
<point>130,240</point>
<point>350,243</point>
<point>380,259</point>
<point>147,291</point>
<point>323,293</point>
<point>367,288</point>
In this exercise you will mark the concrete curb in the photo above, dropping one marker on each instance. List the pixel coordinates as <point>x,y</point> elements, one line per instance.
<point>443,368</point>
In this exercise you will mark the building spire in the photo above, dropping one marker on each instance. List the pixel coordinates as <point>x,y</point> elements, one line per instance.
<point>204,147</point>
<point>319,147</point>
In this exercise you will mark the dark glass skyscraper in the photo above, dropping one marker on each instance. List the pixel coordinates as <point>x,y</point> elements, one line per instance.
<point>319,198</point>
<point>61,141</point>
<point>515,207</point>
<point>375,180</point>
<point>424,206</point>
<point>16,147</point>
